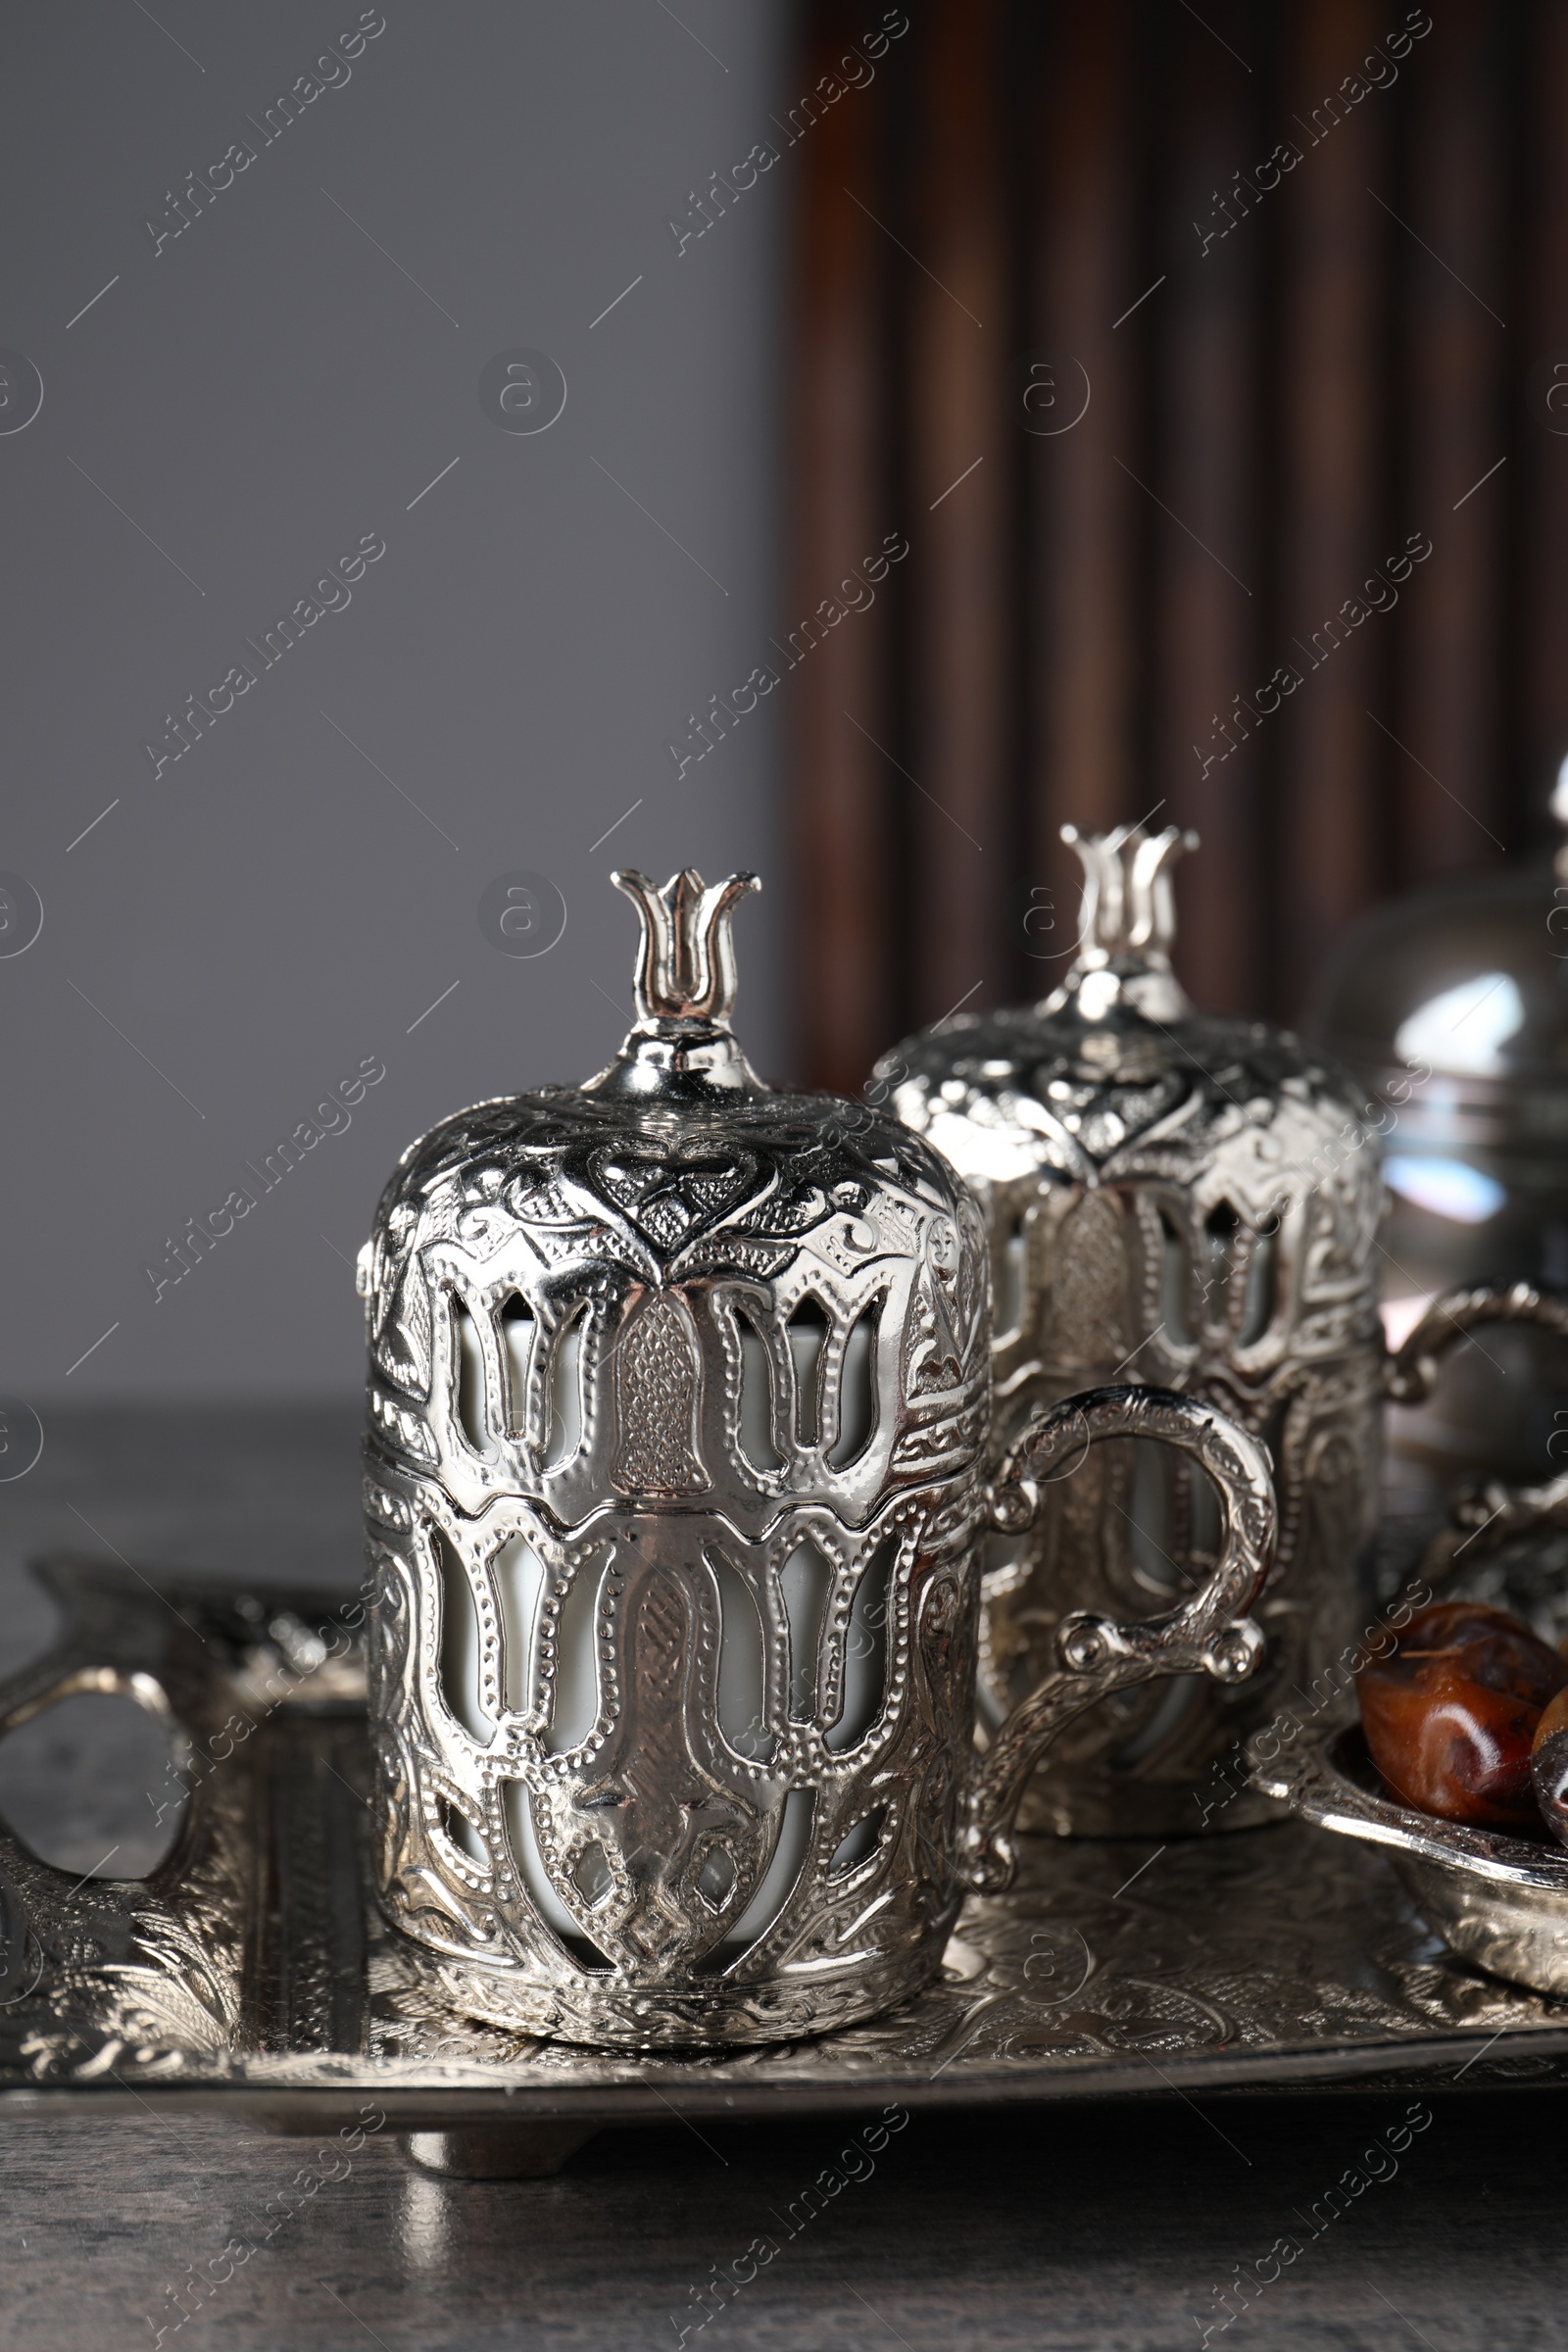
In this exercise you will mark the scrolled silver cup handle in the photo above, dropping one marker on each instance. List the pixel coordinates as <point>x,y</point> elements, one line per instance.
<point>1210,1632</point>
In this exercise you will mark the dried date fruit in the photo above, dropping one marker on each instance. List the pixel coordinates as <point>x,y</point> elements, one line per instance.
<point>1549,1765</point>
<point>1450,1714</point>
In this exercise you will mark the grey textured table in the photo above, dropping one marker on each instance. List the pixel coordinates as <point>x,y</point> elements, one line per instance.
<point>1117,2226</point>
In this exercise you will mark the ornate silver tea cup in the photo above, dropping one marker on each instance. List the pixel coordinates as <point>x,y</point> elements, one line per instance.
<point>1173,1197</point>
<point>675,1490</point>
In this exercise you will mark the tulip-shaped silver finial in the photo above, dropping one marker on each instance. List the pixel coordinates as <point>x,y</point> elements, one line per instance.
<point>1127,924</point>
<point>683,988</point>
<point>686,966</point>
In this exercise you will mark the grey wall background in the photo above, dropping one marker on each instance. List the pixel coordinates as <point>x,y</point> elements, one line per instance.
<point>244,403</point>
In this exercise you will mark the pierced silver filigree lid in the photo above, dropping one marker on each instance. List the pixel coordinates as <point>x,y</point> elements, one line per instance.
<point>674,1174</point>
<point>1116,1076</point>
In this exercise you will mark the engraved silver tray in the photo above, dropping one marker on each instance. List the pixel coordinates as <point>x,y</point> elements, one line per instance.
<point>251,1969</point>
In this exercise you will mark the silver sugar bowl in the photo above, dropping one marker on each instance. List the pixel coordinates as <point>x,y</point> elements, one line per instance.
<point>1191,1201</point>
<point>676,1487</point>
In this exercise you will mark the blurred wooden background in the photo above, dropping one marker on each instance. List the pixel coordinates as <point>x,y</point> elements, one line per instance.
<point>1270,415</point>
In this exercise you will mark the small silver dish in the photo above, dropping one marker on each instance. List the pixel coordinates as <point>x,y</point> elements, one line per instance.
<point>1499,1902</point>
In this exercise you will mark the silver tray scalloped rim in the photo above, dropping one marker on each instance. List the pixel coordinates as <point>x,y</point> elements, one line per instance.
<point>1499,1902</point>
<point>252,1970</point>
